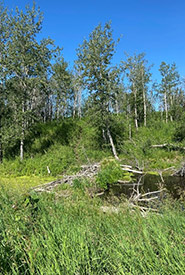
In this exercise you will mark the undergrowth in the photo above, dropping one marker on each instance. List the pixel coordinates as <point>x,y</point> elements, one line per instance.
<point>138,150</point>
<point>56,148</point>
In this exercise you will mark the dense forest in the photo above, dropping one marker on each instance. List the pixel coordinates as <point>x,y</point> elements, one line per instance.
<point>71,140</point>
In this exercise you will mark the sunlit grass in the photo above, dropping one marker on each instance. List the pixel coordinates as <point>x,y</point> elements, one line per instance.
<point>23,183</point>
<point>50,234</point>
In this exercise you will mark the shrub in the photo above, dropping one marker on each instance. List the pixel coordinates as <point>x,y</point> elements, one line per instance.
<point>110,173</point>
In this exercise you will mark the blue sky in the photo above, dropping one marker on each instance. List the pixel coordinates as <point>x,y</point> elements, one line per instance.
<point>156,27</point>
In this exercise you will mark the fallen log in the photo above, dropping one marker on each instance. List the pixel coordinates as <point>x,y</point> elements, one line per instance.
<point>169,146</point>
<point>132,171</point>
<point>124,181</point>
<point>126,166</point>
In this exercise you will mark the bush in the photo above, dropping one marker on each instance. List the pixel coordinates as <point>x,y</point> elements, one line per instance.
<point>58,158</point>
<point>110,173</point>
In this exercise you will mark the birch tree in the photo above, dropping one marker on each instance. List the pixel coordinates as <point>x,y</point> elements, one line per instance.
<point>27,63</point>
<point>94,62</point>
<point>138,73</point>
<point>167,87</point>
<point>5,32</point>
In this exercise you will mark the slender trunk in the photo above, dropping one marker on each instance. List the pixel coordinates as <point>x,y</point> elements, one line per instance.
<point>79,102</point>
<point>22,148</point>
<point>112,144</point>
<point>50,111</point>
<point>22,135</point>
<point>144,99</point>
<point>166,106</point>
<point>130,131</point>
<point>117,107</point>
<point>135,107</point>
<point>57,111</point>
<point>104,137</point>
<point>171,104</point>
<point>64,107</point>
<point>74,105</point>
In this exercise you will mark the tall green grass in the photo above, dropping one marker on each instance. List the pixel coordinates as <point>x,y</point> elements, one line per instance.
<point>50,234</point>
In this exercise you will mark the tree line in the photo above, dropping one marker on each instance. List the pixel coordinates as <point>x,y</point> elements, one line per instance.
<point>36,84</point>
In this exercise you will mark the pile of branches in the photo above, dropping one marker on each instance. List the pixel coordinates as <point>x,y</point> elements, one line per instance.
<point>87,171</point>
<point>144,202</point>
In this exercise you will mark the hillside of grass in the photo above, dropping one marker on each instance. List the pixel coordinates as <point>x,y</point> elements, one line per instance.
<point>61,147</point>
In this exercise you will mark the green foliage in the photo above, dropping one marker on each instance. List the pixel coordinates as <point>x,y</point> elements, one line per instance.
<point>139,76</point>
<point>61,84</point>
<point>81,184</point>
<point>58,159</point>
<point>42,135</point>
<point>138,151</point>
<point>65,145</point>
<point>179,134</point>
<point>97,73</point>
<point>110,173</point>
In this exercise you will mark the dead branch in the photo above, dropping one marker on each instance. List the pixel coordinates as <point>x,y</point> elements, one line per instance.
<point>169,146</point>
<point>149,199</point>
<point>124,181</point>
<point>138,198</point>
<point>132,171</point>
<point>126,166</point>
<point>153,192</point>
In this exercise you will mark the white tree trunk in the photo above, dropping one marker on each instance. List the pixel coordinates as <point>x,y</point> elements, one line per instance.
<point>79,102</point>
<point>135,108</point>
<point>117,107</point>
<point>112,144</point>
<point>22,134</point>
<point>166,106</point>
<point>144,99</point>
<point>171,104</point>
<point>74,105</point>
<point>22,149</point>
